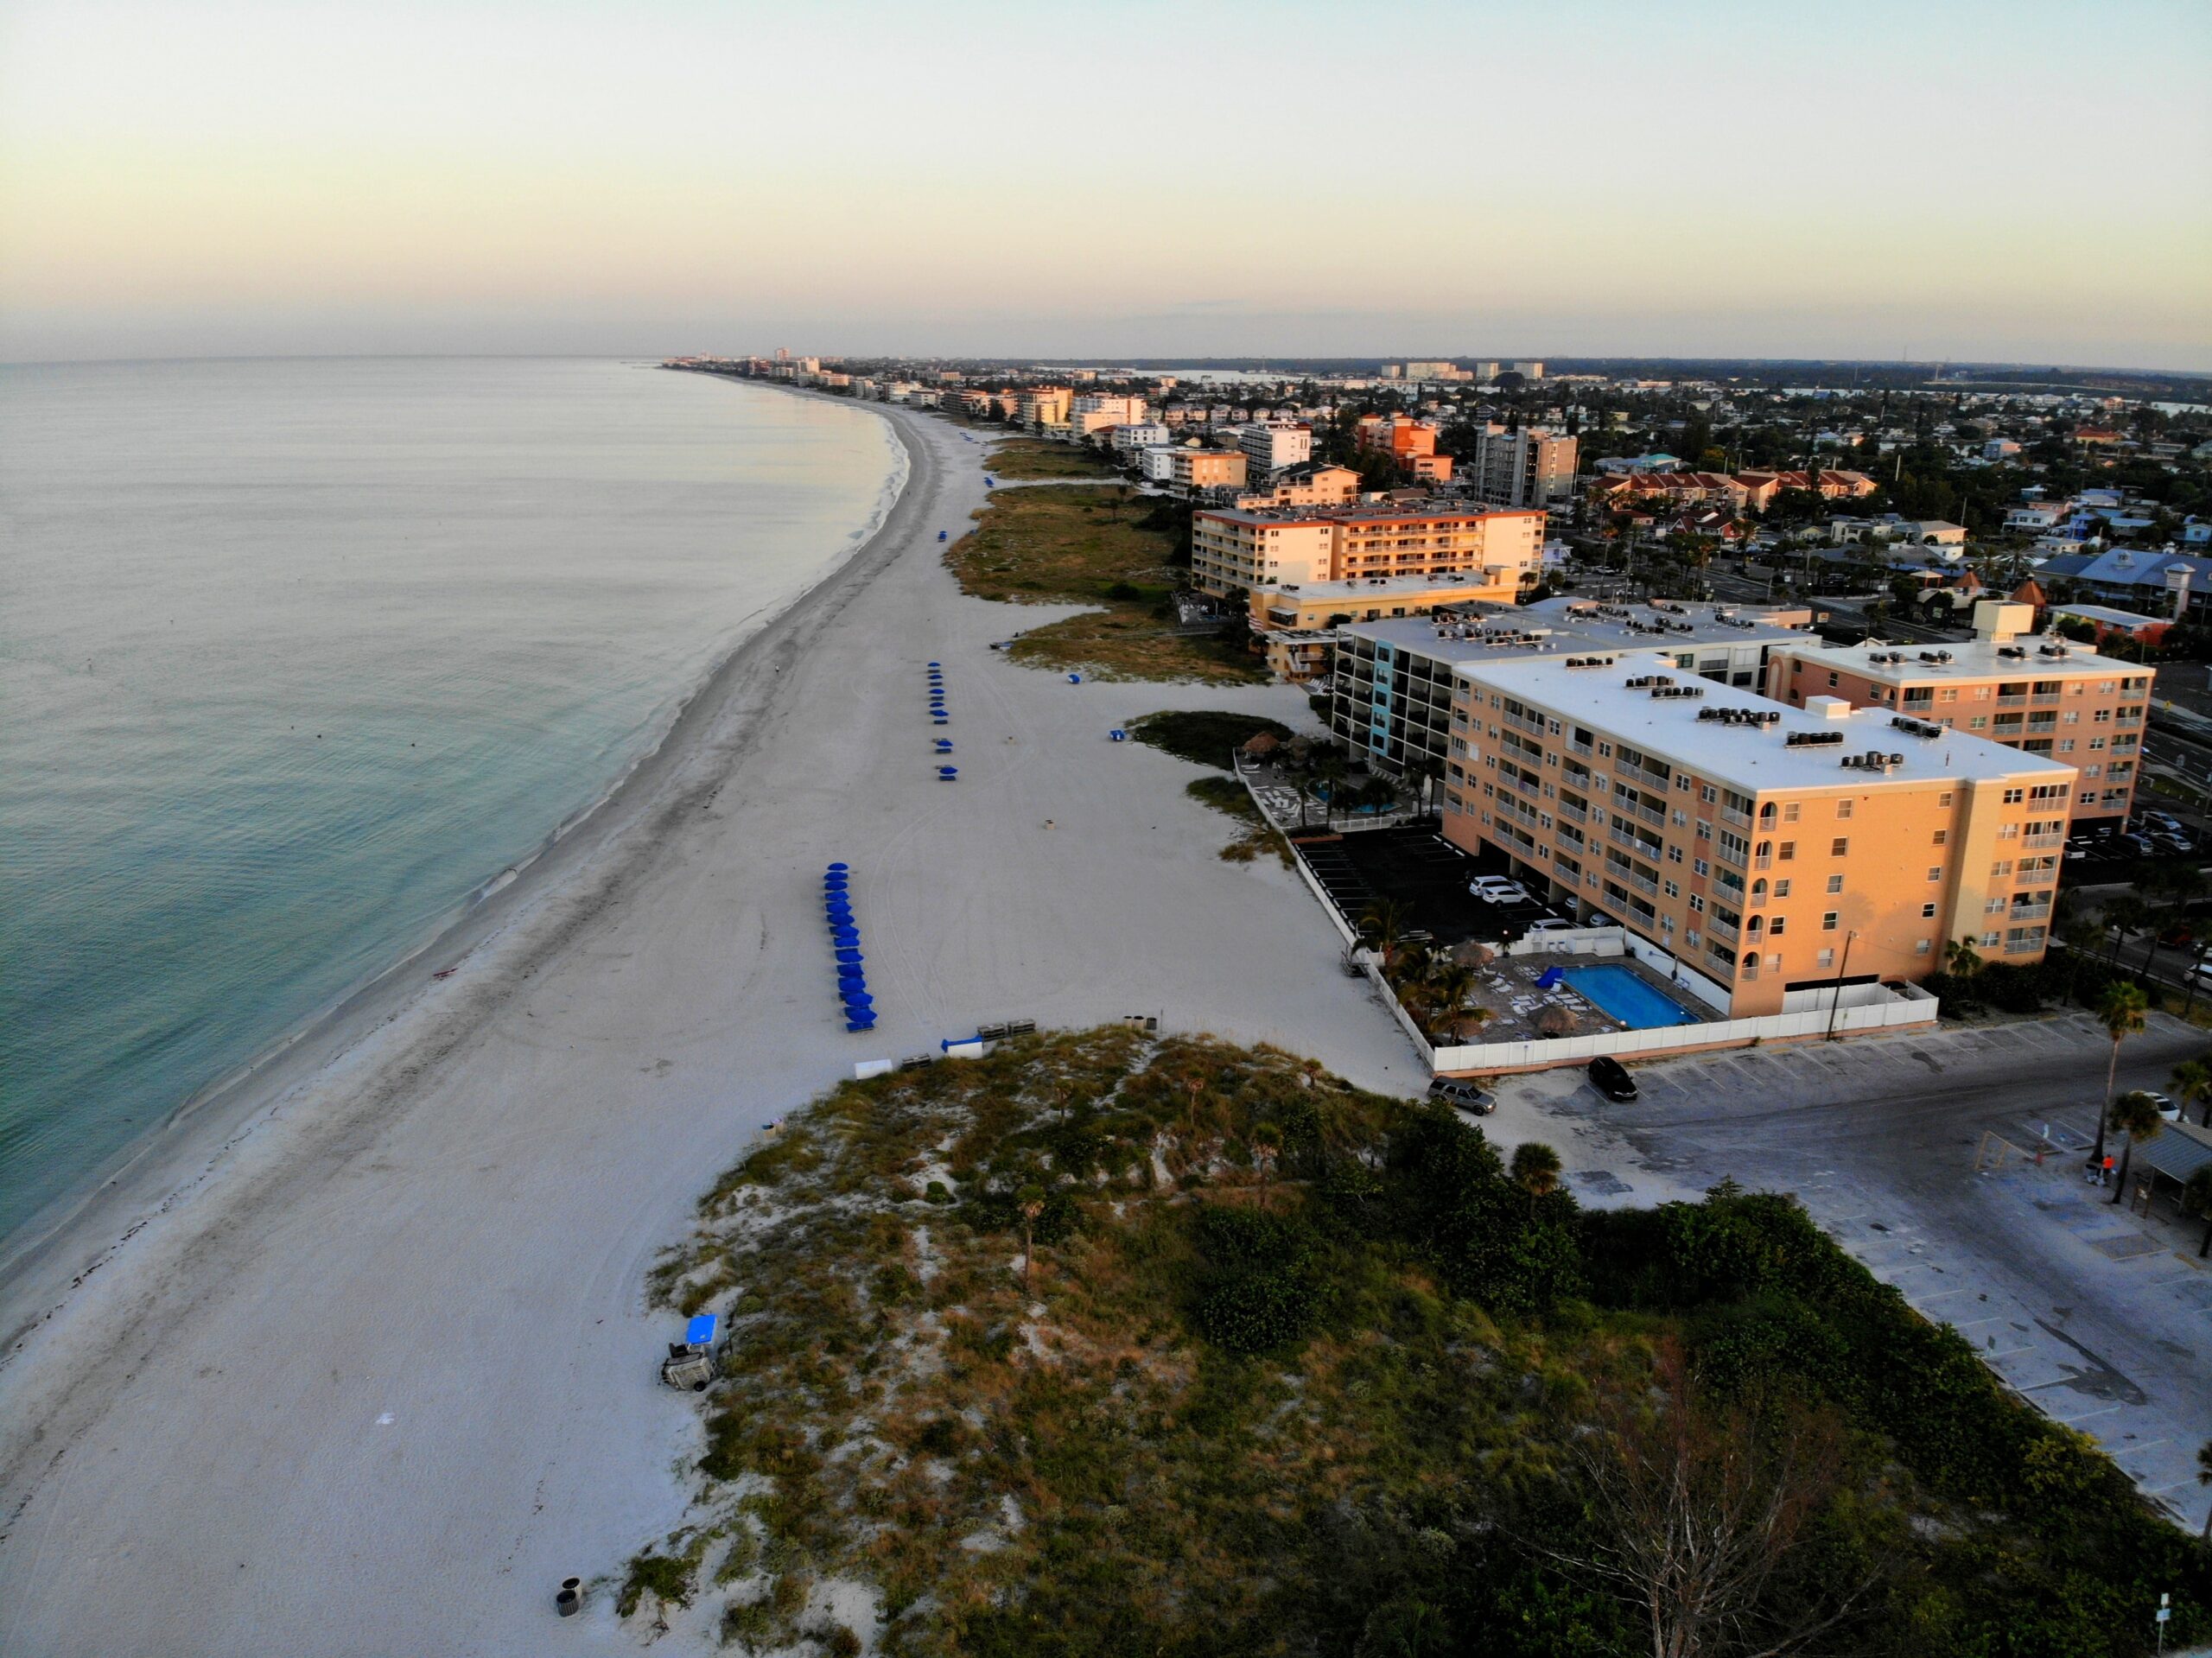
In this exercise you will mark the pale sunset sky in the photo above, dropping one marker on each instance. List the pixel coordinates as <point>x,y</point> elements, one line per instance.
<point>2016,180</point>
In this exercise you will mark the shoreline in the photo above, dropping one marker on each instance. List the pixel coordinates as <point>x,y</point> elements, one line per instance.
<point>398,1353</point>
<point>76,1234</point>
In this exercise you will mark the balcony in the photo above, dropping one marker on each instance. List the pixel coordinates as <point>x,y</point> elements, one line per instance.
<point>2011,701</point>
<point>1728,853</point>
<point>1578,748</point>
<point>1720,929</point>
<point>1729,815</point>
<point>1573,814</point>
<point>2038,877</point>
<point>2053,840</point>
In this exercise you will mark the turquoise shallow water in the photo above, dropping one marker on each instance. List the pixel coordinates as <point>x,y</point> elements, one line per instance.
<point>296,655</point>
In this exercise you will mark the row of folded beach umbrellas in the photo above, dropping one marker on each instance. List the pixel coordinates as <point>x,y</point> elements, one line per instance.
<point>946,771</point>
<point>845,941</point>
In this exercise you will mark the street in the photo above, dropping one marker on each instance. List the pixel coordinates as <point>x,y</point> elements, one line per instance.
<point>2101,1317</point>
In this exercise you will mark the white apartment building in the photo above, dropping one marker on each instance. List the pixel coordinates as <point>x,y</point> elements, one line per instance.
<point>1119,411</point>
<point>1271,445</point>
<point>1530,468</point>
<point>1531,370</point>
<point>1144,434</point>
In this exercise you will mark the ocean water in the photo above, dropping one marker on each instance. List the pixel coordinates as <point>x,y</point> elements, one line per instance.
<point>297,656</point>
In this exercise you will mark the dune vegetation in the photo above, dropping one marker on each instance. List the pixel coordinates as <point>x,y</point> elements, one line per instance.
<point>1113,1344</point>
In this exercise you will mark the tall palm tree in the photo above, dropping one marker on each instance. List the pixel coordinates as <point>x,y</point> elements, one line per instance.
<point>2192,1085</point>
<point>2196,1198</point>
<point>2134,1114</point>
<point>1536,1171</point>
<point>1960,957</point>
<point>2121,1011</point>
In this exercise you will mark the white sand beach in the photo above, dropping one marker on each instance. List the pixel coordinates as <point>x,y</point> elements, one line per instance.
<point>373,1372</point>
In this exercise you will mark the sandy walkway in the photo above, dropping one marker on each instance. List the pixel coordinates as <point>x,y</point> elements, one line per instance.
<point>383,1377</point>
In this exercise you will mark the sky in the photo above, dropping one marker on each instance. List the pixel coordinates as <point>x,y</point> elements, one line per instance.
<point>1941,180</point>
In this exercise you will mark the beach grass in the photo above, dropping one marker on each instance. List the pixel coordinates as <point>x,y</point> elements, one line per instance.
<point>1107,1342</point>
<point>1227,794</point>
<point>1047,545</point>
<point>1028,458</point>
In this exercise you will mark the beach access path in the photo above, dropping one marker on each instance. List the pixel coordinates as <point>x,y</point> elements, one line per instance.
<point>379,1373</point>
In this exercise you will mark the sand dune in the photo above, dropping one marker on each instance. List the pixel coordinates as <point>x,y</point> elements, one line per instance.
<point>379,1373</point>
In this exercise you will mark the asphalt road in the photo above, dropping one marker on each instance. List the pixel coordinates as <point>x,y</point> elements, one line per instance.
<point>2102,1316</point>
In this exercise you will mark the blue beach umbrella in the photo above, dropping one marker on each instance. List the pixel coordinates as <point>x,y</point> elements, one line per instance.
<point>838,868</point>
<point>856,1026</point>
<point>859,1001</point>
<point>850,957</point>
<point>944,745</point>
<point>936,664</point>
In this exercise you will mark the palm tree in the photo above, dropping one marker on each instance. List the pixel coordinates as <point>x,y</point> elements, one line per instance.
<point>2196,1198</point>
<point>2192,1085</point>
<point>1961,957</point>
<point>2134,1114</point>
<point>2121,1011</point>
<point>1452,983</point>
<point>1536,1170</point>
<point>1031,1201</point>
<point>1386,919</point>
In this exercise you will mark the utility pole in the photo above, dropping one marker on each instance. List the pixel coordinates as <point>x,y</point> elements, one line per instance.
<point>1836,1005</point>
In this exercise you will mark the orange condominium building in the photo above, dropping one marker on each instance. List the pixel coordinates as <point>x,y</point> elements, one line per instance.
<point>1495,554</point>
<point>1766,849</point>
<point>2027,691</point>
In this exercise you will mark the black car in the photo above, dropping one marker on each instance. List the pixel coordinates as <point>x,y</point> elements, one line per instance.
<point>1465,1096</point>
<point>1610,1078</point>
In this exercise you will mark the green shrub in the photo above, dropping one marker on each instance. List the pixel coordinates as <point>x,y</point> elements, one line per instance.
<point>1264,1279</point>
<point>1205,737</point>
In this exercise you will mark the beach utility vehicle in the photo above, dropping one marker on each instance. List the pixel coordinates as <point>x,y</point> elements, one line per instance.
<point>690,1362</point>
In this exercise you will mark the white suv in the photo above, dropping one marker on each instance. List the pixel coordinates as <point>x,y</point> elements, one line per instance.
<point>1497,889</point>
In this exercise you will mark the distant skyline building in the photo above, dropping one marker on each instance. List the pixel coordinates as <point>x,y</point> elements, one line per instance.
<point>1532,468</point>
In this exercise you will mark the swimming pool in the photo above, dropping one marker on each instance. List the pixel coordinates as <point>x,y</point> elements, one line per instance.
<point>1616,990</point>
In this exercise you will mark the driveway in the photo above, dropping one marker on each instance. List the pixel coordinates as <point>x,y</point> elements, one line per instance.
<point>2101,1317</point>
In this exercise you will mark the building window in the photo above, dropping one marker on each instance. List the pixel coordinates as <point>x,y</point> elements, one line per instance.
<point>1936,874</point>
<point>1835,883</point>
<point>1789,813</point>
<point>1774,927</point>
<point>1782,889</point>
<point>1843,808</point>
<point>2014,797</point>
<point>1922,946</point>
<point>1841,847</point>
<point>1701,867</point>
<point>1671,889</point>
<point>1788,851</point>
<point>1927,912</point>
<point>1942,836</point>
<point>1827,920</point>
<point>1825,958</point>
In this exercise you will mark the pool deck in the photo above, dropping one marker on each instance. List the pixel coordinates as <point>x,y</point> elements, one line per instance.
<point>1519,1012</point>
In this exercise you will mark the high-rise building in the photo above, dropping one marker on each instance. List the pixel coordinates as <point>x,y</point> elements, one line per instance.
<point>1772,854</point>
<point>1533,467</point>
<point>1497,553</point>
<point>1271,446</point>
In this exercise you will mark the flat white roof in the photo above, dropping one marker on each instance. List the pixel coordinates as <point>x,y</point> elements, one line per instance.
<point>1571,625</point>
<point>1383,587</point>
<point>1969,659</point>
<point>1749,757</point>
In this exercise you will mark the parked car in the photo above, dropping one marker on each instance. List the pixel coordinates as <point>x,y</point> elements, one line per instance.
<point>1554,924</point>
<point>1610,1078</point>
<point>2179,846</point>
<point>1498,889</point>
<point>2167,1109</point>
<point>2165,823</point>
<point>2132,846</point>
<point>1466,1096</point>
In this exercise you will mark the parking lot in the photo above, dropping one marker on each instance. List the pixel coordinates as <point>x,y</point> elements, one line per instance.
<point>1414,866</point>
<point>2099,1316</point>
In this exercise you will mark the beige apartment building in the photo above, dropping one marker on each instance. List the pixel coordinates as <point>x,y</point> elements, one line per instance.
<point>1492,554</point>
<point>1763,849</point>
<point>2041,695</point>
<point>1322,486</point>
<point>1193,471</point>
